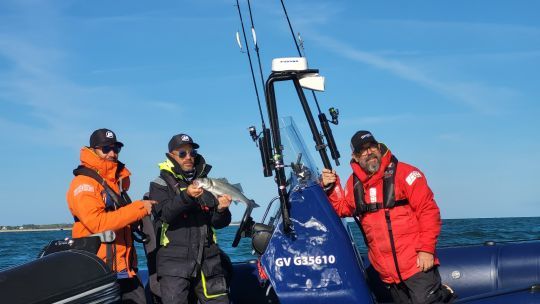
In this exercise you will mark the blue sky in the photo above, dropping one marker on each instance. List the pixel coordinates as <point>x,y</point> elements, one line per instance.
<point>451,87</point>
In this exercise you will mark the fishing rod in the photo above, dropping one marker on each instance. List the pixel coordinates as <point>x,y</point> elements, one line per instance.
<point>334,113</point>
<point>254,35</point>
<point>262,139</point>
<point>249,58</point>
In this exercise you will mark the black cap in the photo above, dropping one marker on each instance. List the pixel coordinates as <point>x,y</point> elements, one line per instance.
<point>180,139</point>
<point>103,137</point>
<point>360,139</point>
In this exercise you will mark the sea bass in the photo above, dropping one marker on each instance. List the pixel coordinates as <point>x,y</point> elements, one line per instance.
<point>220,186</point>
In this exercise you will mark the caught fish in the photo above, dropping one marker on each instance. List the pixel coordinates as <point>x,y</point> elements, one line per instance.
<point>220,186</point>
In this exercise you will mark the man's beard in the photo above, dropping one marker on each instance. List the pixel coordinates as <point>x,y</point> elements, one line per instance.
<point>371,167</point>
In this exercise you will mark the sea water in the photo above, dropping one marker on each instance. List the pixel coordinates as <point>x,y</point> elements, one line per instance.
<point>21,247</point>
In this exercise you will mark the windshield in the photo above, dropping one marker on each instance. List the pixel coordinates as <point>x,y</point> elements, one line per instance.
<point>300,168</point>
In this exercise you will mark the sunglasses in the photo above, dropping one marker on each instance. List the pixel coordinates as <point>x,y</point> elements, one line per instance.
<point>184,153</point>
<point>107,149</point>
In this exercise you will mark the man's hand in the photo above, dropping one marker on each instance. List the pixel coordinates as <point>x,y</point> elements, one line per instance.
<point>328,177</point>
<point>424,260</point>
<point>148,204</point>
<point>194,191</point>
<point>224,202</point>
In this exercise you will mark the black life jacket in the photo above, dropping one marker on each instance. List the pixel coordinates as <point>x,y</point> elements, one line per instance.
<point>118,199</point>
<point>389,196</point>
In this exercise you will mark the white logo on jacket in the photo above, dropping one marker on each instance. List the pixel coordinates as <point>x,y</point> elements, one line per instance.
<point>373,195</point>
<point>83,188</point>
<point>412,177</point>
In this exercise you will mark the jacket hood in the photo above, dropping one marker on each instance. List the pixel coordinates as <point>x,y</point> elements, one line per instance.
<point>369,180</point>
<point>110,171</point>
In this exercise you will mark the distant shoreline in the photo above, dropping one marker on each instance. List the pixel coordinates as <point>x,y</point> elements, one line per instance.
<point>35,230</point>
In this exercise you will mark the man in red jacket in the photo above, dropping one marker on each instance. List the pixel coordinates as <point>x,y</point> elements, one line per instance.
<point>399,219</point>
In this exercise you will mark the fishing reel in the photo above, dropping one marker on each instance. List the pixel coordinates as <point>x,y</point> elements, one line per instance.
<point>334,113</point>
<point>253,133</point>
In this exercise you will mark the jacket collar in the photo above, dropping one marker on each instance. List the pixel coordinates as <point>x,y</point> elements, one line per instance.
<point>110,171</point>
<point>370,180</point>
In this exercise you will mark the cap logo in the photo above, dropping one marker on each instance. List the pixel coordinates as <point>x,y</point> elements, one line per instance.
<point>109,134</point>
<point>185,138</point>
<point>366,135</point>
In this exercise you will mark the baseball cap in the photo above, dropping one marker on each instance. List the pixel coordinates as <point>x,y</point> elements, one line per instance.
<point>360,139</point>
<point>103,137</point>
<point>180,139</point>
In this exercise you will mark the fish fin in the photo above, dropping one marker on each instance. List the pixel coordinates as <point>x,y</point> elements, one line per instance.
<point>222,179</point>
<point>238,187</point>
<point>255,205</point>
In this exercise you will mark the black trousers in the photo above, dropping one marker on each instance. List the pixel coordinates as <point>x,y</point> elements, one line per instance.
<point>132,291</point>
<point>421,288</point>
<point>178,290</point>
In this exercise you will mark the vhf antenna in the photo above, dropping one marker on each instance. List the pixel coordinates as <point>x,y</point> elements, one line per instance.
<point>334,113</point>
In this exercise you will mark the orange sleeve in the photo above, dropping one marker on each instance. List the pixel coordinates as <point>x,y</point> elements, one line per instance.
<point>89,208</point>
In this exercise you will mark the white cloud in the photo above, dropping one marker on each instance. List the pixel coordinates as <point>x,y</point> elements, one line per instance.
<point>481,98</point>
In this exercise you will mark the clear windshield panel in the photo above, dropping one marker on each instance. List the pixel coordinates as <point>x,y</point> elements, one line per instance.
<point>299,165</point>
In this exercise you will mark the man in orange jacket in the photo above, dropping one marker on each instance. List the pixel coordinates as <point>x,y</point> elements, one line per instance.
<point>398,216</point>
<point>98,204</point>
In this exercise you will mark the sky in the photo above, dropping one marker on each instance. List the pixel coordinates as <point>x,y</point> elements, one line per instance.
<point>450,87</point>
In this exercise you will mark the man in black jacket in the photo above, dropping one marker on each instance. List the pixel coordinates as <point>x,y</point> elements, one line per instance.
<point>188,261</point>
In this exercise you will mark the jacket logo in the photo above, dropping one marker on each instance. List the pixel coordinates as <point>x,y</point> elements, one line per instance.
<point>412,177</point>
<point>109,134</point>
<point>83,188</point>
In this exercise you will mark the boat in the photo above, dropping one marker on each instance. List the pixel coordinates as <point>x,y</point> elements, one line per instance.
<point>303,252</point>
<point>306,254</point>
